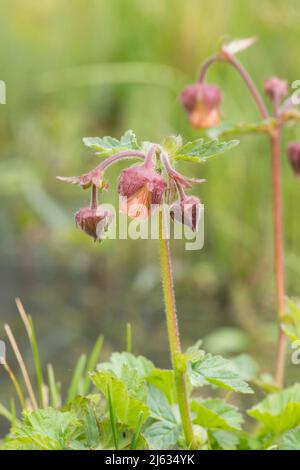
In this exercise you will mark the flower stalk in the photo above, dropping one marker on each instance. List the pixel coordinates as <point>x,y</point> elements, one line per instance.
<point>275,89</point>
<point>173,336</point>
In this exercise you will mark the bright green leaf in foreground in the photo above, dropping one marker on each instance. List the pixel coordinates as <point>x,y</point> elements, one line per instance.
<point>216,414</point>
<point>126,407</point>
<point>280,411</point>
<point>291,440</point>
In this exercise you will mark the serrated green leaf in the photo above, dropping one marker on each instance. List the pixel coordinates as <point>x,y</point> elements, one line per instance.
<point>142,365</point>
<point>290,440</point>
<point>200,150</point>
<point>162,431</point>
<point>216,370</point>
<point>280,411</point>
<point>172,143</point>
<point>229,129</point>
<point>226,440</point>
<point>291,320</point>
<point>46,429</point>
<point>159,406</point>
<point>216,414</point>
<point>246,366</point>
<point>107,145</point>
<point>124,437</point>
<point>163,379</point>
<point>127,408</point>
<point>162,434</point>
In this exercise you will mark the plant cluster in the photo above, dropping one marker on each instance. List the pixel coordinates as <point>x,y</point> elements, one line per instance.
<point>129,403</point>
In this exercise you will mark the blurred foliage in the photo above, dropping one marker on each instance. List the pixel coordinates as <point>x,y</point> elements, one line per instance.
<point>95,68</point>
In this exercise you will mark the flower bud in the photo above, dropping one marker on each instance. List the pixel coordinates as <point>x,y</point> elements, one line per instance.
<point>187,211</point>
<point>93,221</point>
<point>276,88</point>
<point>140,186</point>
<point>202,103</point>
<point>293,154</point>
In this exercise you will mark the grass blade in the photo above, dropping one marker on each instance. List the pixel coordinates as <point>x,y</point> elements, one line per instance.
<point>76,378</point>
<point>91,364</point>
<point>112,416</point>
<point>27,320</point>
<point>22,366</point>
<point>52,386</point>
<point>16,385</point>
<point>128,338</point>
<point>137,431</point>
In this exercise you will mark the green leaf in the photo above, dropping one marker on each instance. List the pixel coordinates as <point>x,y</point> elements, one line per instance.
<point>47,429</point>
<point>229,129</point>
<point>163,430</point>
<point>200,150</point>
<point>163,379</point>
<point>124,437</point>
<point>172,143</point>
<point>226,440</point>
<point>162,434</point>
<point>280,411</point>
<point>127,408</point>
<point>107,145</point>
<point>158,405</point>
<point>142,365</point>
<point>216,414</point>
<point>291,440</point>
<point>291,321</point>
<point>246,366</point>
<point>216,370</point>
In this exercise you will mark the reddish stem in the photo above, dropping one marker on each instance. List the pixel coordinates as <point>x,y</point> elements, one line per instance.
<point>278,252</point>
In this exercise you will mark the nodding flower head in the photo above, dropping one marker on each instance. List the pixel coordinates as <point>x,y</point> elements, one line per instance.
<point>93,221</point>
<point>293,154</point>
<point>140,186</point>
<point>202,104</point>
<point>276,88</point>
<point>187,211</point>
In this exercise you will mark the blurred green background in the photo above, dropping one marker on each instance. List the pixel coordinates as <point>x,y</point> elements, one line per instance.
<point>98,67</point>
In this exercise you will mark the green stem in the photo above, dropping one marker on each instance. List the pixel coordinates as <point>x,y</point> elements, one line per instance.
<point>173,335</point>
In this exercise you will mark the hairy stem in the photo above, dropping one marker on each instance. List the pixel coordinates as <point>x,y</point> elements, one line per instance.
<point>173,335</point>
<point>277,203</point>
<point>278,252</point>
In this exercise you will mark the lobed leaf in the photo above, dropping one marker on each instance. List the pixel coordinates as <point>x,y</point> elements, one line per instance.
<point>216,370</point>
<point>107,145</point>
<point>200,150</point>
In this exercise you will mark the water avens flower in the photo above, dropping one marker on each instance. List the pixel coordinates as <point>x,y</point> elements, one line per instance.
<point>140,186</point>
<point>187,211</point>
<point>202,104</point>
<point>276,88</point>
<point>93,220</point>
<point>293,154</point>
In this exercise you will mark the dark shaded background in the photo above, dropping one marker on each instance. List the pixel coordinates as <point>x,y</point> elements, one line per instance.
<point>84,67</point>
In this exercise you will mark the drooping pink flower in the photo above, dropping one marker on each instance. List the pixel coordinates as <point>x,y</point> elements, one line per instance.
<point>187,211</point>
<point>276,88</point>
<point>202,104</point>
<point>293,154</point>
<point>93,221</point>
<point>140,186</point>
